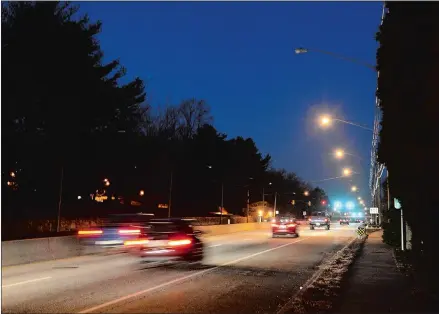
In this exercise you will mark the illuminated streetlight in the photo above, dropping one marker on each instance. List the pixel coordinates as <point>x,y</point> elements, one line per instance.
<point>306,193</point>
<point>347,171</point>
<point>359,198</point>
<point>12,174</point>
<point>325,120</point>
<point>142,192</point>
<point>106,182</point>
<point>260,212</point>
<point>339,153</point>
<point>354,189</point>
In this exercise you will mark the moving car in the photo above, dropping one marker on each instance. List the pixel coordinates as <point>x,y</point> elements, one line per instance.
<point>115,230</point>
<point>319,220</point>
<point>344,221</point>
<point>171,239</point>
<point>284,226</point>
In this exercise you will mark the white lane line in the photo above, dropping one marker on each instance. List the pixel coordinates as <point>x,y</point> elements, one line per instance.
<point>24,282</point>
<point>215,245</point>
<point>133,295</point>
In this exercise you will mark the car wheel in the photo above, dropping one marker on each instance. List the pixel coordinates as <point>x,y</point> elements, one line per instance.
<point>327,227</point>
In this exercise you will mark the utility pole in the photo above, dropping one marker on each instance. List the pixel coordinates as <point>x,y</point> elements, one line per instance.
<point>263,202</point>
<point>222,202</point>
<point>58,226</point>
<point>274,209</point>
<point>170,196</point>
<point>248,202</point>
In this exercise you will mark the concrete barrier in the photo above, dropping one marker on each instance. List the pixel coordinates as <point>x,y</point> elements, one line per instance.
<point>44,249</point>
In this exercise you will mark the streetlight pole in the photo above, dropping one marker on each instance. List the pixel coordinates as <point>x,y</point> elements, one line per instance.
<point>170,196</point>
<point>58,225</point>
<point>222,202</point>
<point>274,209</point>
<point>263,202</point>
<point>248,202</point>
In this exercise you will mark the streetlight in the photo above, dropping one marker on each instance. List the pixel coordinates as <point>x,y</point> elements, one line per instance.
<point>142,192</point>
<point>12,174</point>
<point>306,193</point>
<point>106,182</point>
<point>359,198</point>
<point>326,120</point>
<point>354,189</point>
<point>302,50</point>
<point>347,172</point>
<point>339,153</point>
<point>222,197</point>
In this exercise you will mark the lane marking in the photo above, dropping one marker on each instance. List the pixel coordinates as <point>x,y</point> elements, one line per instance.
<point>139,293</point>
<point>24,282</point>
<point>215,245</point>
<point>287,306</point>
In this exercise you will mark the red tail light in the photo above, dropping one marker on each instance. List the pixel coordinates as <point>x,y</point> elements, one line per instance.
<point>129,231</point>
<point>89,232</point>
<point>180,242</point>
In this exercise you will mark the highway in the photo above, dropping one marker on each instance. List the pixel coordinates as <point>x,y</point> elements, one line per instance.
<point>246,272</point>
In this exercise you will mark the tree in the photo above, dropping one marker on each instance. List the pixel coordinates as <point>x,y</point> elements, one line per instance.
<point>60,100</point>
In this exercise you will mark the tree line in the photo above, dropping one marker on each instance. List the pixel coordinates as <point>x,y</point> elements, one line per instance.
<point>76,129</point>
<point>408,91</point>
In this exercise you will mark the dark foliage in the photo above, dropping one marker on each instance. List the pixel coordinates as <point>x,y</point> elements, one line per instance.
<point>67,112</point>
<point>408,87</point>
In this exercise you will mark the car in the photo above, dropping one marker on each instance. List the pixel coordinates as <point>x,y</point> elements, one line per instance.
<point>170,239</point>
<point>284,226</point>
<point>344,221</point>
<point>115,230</point>
<point>319,220</point>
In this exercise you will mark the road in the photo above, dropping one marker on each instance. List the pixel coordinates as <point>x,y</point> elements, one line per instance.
<point>247,272</point>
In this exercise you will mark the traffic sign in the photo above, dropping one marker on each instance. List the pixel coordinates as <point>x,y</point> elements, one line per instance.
<point>374,210</point>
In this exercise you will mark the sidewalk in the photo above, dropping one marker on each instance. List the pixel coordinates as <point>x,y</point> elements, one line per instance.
<point>375,284</point>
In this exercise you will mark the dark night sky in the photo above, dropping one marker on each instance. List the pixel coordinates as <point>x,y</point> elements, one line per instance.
<point>239,57</point>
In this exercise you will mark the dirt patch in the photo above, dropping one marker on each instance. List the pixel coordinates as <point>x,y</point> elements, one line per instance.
<point>320,296</point>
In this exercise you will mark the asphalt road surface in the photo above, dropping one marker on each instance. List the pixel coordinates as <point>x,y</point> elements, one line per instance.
<point>246,272</point>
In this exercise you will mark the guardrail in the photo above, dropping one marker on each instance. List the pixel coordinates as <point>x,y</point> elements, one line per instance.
<point>44,249</point>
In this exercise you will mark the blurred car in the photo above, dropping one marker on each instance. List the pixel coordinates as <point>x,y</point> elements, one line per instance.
<point>344,221</point>
<point>115,230</point>
<point>172,239</point>
<point>284,226</point>
<point>319,220</point>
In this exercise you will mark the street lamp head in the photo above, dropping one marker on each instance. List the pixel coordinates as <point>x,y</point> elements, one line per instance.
<point>142,192</point>
<point>354,188</point>
<point>359,198</point>
<point>339,153</point>
<point>325,120</point>
<point>300,50</point>
<point>306,193</point>
<point>270,183</point>
<point>347,172</point>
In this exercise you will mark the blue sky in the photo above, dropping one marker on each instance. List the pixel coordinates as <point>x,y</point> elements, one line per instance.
<point>239,57</point>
